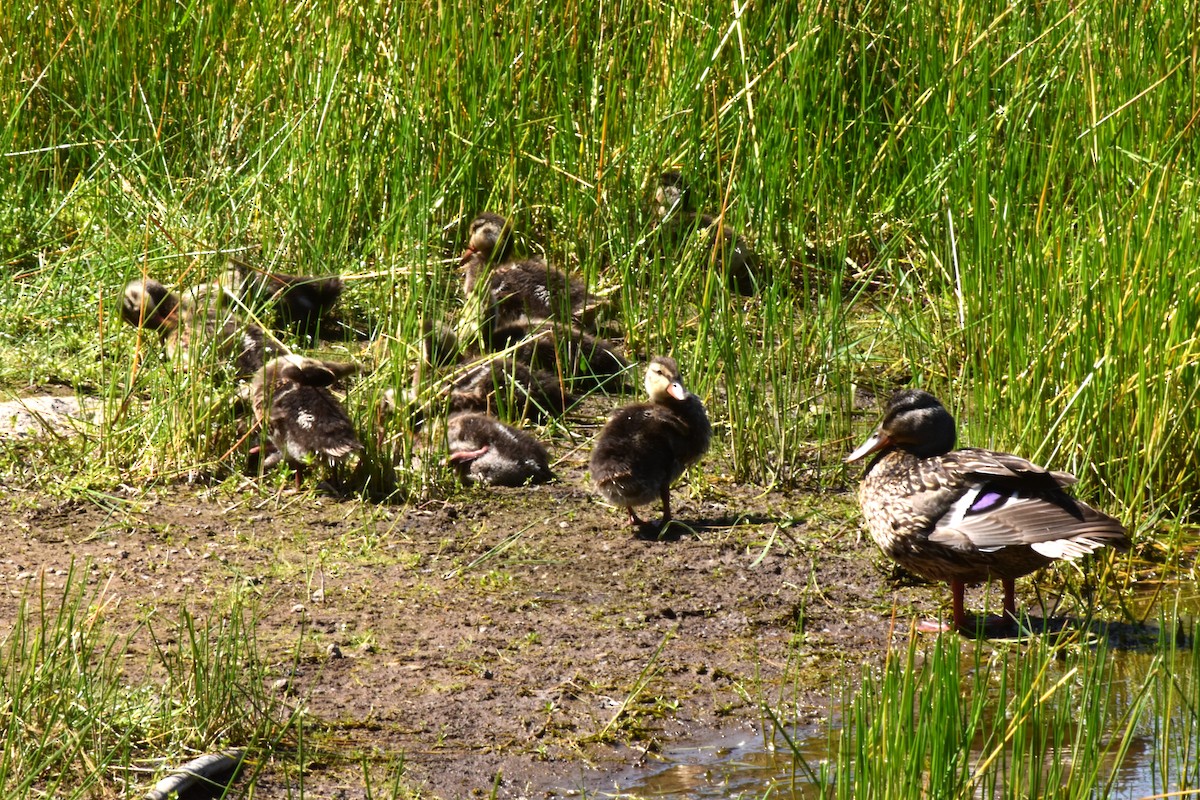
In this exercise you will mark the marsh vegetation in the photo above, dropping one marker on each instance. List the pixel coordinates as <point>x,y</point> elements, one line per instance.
<point>998,203</point>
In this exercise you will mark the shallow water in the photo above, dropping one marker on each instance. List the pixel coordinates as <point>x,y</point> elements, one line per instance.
<point>748,765</point>
<point>727,765</point>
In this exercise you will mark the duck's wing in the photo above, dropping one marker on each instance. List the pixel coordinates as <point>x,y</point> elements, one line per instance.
<point>996,500</point>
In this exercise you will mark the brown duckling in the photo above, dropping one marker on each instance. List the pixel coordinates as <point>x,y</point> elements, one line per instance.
<point>680,219</point>
<point>970,515</point>
<point>514,289</point>
<point>645,447</point>
<point>148,304</point>
<point>195,321</point>
<point>301,301</point>
<point>582,359</point>
<point>485,450</point>
<point>304,420</point>
<point>206,320</point>
<point>504,383</point>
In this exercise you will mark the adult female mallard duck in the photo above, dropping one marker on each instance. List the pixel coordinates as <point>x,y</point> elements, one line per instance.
<point>304,420</point>
<point>967,516</point>
<point>645,447</point>
<point>483,449</point>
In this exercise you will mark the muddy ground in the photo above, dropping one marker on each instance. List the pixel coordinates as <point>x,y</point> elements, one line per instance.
<point>520,641</point>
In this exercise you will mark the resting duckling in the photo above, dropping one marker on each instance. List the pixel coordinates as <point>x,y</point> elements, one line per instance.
<point>514,289</point>
<point>645,447</point>
<point>505,383</point>
<point>581,358</point>
<point>304,420</point>
<point>148,304</point>
<point>680,219</point>
<point>485,450</point>
<point>206,320</point>
<point>967,516</point>
<point>190,323</point>
<point>301,301</point>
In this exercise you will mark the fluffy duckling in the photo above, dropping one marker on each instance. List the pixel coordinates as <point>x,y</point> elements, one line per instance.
<point>645,447</point>
<point>485,450</point>
<point>148,304</point>
<point>195,321</point>
<point>581,358</point>
<point>301,301</point>
<point>489,239</point>
<point>304,420</point>
<point>970,515</point>
<point>506,383</point>
<point>680,219</point>
<point>514,289</point>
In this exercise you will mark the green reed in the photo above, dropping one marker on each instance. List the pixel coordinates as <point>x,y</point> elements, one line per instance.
<point>994,201</point>
<point>77,724</point>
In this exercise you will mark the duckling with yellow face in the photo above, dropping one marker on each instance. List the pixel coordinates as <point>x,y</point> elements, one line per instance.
<point>645,447</point>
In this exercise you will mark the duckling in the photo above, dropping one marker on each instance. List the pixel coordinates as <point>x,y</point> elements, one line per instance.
<point>485,450</point>
<point>504,382</point>
<point>679,219</point>
<point>970,515</point>
<point>581,358</point>
<point>514,289</point>
<point>301,301</point>
<point>148,304</point>
<point>207,323</point>
<point>489,240</point>
<point>194,321</point>
<point>304,420</point>
<point>645,447</point>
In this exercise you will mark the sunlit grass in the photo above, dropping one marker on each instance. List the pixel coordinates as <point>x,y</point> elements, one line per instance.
<point>1022,220</point>
<point>1078,715</point>
<point>997,202</point>
<point>77,723</point>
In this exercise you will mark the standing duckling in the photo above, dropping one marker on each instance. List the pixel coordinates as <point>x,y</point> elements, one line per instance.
<point>304,420</point>
<point>645,447</point>
<point>485,450</point>
<point>967,516</point>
